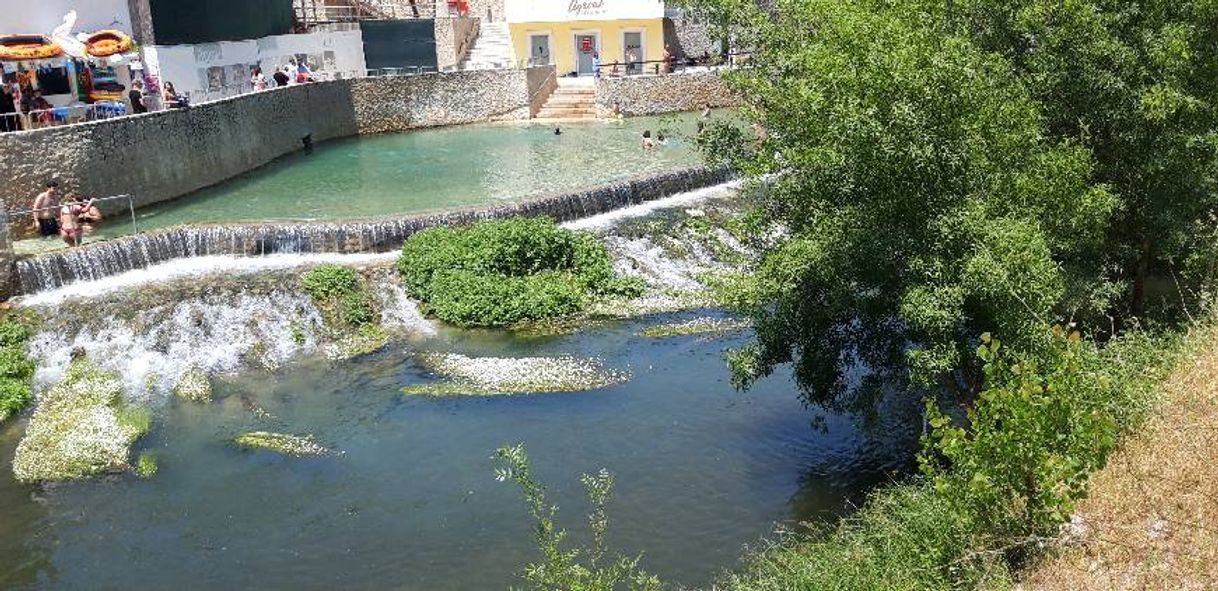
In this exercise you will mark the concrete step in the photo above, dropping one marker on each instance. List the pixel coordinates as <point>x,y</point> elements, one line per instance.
<point>567,109</point>
<point>559,102</point>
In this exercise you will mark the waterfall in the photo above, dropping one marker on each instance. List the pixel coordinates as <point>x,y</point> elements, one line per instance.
<point>140,251</point>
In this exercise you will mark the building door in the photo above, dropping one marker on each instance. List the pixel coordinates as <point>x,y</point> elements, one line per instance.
<point>632,51</point>
<point>586,47</point>
<point>539,50</point>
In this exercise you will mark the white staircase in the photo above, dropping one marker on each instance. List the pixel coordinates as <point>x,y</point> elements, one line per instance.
<point>574,98</point>
<point>492,49</point>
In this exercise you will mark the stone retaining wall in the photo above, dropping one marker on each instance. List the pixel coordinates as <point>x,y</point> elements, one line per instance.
<point>164,155</point>
<point>668,93</point>
<point>455,36</point>
<point>111,257</point>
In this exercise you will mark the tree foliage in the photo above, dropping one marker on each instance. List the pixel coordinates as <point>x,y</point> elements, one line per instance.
<point>945,169</point>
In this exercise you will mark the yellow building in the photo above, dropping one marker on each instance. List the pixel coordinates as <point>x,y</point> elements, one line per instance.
<point>573,35</point>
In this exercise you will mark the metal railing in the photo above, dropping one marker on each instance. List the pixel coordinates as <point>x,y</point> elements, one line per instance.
<point>316,12</point>
<point>656,67</point>
<point>19,213</point>
<point>65,115</point>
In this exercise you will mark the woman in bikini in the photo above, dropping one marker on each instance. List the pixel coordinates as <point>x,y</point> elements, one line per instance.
<point>69,220</point>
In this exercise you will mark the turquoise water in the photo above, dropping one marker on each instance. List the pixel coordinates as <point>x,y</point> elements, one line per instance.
<point>411,502</point>
<point>432,169</point>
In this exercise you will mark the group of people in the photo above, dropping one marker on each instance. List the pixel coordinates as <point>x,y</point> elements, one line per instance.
<point>71,220</point>
<point>21,107</point>
<point>293,72</point>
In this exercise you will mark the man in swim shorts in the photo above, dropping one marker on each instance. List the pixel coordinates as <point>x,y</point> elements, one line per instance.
<point>46,207</point>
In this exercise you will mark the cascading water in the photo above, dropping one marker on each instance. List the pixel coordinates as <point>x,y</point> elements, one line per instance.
<point>223,314</point>
<point>140,251</point>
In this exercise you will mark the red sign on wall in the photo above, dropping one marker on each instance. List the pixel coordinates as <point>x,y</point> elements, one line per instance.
<point>585,44</point>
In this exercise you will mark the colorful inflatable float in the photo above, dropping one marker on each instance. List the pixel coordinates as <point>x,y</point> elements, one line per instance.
<point>107,43</point>
<point>28,47</point>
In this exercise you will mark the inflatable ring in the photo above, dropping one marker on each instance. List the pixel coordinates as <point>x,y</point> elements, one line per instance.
<point>107,43</point>
<point>27,47</point>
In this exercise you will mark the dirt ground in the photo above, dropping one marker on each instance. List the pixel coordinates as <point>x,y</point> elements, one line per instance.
<point>1151,518</point>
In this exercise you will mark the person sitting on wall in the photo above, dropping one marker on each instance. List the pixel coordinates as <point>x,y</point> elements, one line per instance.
<point>46,206</point>
<point>281,77</point>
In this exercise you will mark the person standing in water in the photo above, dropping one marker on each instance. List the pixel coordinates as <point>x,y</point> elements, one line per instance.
<point>648,143</point>
<point>46,207</point>
<point>69,220</point>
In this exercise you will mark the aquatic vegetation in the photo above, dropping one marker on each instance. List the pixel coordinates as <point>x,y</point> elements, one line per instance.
<point>16,369</point>
<point>367,339</point>
<point>341,295</point>
<point>504,375</point>
<point>194,386</point>
<point>81,428</point>
<point>291,445</point>
<point>503,272</point>
<point>146,465</point>
<point>704,325</point>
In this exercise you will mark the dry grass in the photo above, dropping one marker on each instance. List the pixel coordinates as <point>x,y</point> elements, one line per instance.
<point>1151,518</point>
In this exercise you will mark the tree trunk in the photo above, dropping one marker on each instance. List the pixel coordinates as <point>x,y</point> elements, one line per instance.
<point>1138,305</point>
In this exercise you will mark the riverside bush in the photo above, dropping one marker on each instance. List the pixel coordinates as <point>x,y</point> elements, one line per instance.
<point>502,272</point>
<point>16,369</point>
<point>339,292</point>
<point>993,492</point>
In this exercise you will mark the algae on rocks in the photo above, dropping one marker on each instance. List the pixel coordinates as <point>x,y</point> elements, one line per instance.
<point>291,445</point>
<point>501,375</point>
<point>193,385</point>
<point>81,428</point>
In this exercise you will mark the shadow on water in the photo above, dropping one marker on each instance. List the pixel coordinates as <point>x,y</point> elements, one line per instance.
<point>411,502</point>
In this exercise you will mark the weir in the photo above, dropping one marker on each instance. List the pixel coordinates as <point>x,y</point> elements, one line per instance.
<point>104,259</point>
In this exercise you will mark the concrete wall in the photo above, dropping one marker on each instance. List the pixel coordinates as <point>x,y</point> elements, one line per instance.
<point>689,37</point>
<point>163,155</point>
<point>650,95</point>
<point>400,103</point>
<point>455,36</point>
<point>542,82</point>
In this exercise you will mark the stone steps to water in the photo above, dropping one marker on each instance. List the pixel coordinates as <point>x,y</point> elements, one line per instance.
<point>492,48</point>
<point>573,99</point>
<point>128,253</point>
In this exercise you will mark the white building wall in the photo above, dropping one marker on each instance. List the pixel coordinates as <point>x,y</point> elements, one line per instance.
<point>41,16</point>
<point>213,67</point>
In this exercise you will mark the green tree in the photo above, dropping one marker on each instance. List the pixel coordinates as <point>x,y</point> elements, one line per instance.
<point>1136,83</point>
<point>922,203</point>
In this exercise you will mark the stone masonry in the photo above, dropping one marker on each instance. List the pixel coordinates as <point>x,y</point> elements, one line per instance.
<point>652,95</point>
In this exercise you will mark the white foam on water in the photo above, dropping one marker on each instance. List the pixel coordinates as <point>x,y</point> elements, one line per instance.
<point>399,311</point>
<point>608,219</point>
<point>196,267</point>
<point>152,348</point>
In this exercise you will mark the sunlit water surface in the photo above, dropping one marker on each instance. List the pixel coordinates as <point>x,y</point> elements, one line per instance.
<point>411,501</point>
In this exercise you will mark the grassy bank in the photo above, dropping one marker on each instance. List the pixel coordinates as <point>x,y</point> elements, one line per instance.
<point>992,499</point>
<point>1149,519</point>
